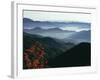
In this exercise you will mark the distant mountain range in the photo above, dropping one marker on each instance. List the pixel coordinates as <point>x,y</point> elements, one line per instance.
<point>83,36</point>
<point>29,23</point>
<point>41,30</point>
<point>52,32</point>
<point>37,28</point>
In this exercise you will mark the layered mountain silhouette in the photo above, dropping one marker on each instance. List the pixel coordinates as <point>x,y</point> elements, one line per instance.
<point>52,32</point>
<point>41,31</point>
<point>31,23</point>
<point>54,29</point>
<point>78,37</point>
<point>80,55</point>
<point>83,36</point>
<point>52,47</point>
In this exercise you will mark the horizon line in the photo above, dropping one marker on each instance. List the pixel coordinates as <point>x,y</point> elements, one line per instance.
<point>57,21</point>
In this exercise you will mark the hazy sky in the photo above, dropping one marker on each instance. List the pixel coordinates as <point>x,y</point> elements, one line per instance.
<point>59,17</point>
<point>56,16</point>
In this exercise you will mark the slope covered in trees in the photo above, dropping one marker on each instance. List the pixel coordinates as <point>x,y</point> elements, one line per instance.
<point>80,55</point>
<point>37,50</point>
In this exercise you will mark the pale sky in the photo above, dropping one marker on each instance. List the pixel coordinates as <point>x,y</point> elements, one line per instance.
<point>56,16</point>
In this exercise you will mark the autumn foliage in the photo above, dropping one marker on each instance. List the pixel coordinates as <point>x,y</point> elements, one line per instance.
<point>34,57</point>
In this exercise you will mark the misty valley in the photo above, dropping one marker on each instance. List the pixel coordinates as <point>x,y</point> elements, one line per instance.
<point>50,44</point>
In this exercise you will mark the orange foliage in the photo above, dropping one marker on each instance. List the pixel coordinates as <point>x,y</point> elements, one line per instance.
<point>38,52</point>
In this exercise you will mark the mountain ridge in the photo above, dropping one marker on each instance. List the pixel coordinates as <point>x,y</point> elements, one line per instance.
<point>79,55</point>
<point>52,46</point>
<point>31,23</point>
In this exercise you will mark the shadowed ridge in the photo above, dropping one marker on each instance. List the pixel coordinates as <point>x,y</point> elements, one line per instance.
<point>77,56</point>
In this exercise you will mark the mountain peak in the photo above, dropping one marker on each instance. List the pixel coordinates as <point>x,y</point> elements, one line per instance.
<point>27,20</point>
<point>55,29</point>
<point>37,28</point>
